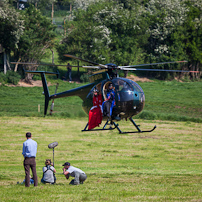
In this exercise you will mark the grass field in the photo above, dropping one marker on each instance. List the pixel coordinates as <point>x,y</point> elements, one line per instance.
<point>164,165</point>
<point>165,100</point>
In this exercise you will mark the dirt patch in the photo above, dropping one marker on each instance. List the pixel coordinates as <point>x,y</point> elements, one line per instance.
<point>136,78</point>
<point>32,83</point>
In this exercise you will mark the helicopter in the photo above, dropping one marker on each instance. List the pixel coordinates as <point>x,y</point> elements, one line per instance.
<point>129,96</point>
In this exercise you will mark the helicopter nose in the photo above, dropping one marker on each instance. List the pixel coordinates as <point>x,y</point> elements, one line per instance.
<point>138,103</point>
<point>142,100</point>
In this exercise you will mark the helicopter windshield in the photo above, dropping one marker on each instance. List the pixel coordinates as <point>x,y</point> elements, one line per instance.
<point>135,85</point>
<point>121,85</point>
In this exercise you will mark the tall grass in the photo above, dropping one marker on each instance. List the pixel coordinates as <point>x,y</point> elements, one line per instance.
<point>165,100</point>
<point>172,100</point>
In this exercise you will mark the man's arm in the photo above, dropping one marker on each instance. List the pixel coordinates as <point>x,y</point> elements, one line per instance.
<point>23,150</point>
<point>65,172</point>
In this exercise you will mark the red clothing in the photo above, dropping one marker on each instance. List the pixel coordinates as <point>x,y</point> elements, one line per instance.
<point>95,113</point>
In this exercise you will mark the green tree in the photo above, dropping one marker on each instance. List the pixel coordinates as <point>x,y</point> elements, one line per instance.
<point>11,26</point>
<point>104,32</point>
<point>175,30</point>
<point>37,38</point>
<point>193,34</point>
<point>164,17</point>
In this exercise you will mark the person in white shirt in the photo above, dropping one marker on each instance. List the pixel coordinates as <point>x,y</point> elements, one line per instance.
<point>78,174</point>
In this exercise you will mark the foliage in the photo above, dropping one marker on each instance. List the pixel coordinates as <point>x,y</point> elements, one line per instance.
<point>134,32</point>
<point>10,77</point>
<point>41,3</point>
<point>193,27</point>
<point>103,33</point>
<point>37,38</point>
<point>84,4</point>
<point>164,17</point>
<point>123,32</point>
<point>3,78</point>
<point>11,26</point>
<point>13,77</point>
<point>84,78</point>
<point>175,29</point>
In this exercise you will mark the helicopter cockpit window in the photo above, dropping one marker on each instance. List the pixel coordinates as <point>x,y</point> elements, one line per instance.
<point>121,85</point>
<point>136,86</point>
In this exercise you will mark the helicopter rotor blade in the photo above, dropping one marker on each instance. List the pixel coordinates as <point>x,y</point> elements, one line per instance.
<point>77,58</point>
<point>157,70</point>
<point>38,64</point>
<point>130,67</point>
<point>150,64</point>
<point>92,67</point>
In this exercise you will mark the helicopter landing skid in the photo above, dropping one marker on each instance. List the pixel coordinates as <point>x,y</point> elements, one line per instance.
<point>138,129</point>
<point>113,125</point>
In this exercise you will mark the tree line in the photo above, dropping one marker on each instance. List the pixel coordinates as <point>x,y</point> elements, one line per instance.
<point>124,32</point>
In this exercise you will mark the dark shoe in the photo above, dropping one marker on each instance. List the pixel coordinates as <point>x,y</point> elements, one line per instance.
<point>72,182</point>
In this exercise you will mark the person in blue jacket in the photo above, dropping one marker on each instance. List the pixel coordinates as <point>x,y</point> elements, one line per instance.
<point>109,102</point>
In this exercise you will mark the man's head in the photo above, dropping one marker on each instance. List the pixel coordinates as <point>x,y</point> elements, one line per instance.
<point>110,86</point>
<point>66,165</point>
<point>28,135</point>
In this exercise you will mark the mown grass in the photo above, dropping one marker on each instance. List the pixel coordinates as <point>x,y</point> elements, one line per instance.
<point>165,100</point>
<point>164,165</point>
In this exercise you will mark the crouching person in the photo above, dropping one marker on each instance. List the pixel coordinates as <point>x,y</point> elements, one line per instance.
<point>78,174</point>
<point>48,173</point>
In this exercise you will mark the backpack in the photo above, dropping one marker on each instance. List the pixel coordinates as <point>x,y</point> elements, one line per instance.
<point>48,168</point>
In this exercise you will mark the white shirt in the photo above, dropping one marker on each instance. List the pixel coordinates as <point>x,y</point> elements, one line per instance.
<point>72,169</point>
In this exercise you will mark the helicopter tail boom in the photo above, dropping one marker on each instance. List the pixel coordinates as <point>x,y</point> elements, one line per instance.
<point>45,86</point>
<point>46,92</point>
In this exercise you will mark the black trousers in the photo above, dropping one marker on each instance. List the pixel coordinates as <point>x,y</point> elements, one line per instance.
<point>30,163</point>
<point>106,108</point>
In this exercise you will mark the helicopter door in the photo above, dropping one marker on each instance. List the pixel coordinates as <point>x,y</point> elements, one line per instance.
<point>104,89</point>
<point>98,86</point>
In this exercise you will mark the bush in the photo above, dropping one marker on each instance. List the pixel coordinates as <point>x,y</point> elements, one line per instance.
<point>13,77</point>
<point>10,77</point>
<point>148,115</point>
<point>84,78</point>
<point>3,78</point>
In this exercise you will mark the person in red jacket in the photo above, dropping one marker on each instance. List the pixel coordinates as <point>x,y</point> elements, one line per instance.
<point>95,113</point>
